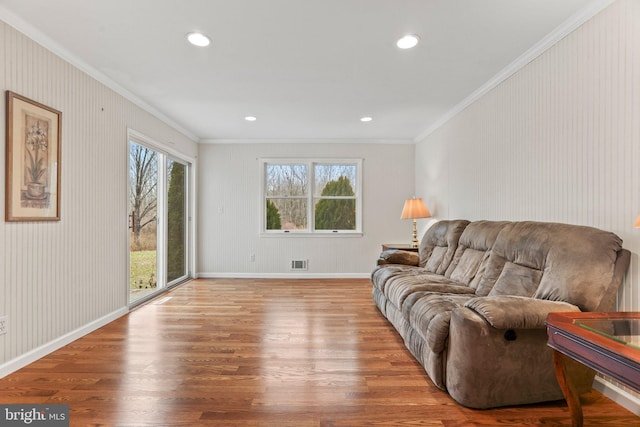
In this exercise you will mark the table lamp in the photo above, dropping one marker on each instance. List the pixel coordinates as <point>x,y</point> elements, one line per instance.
<point>415,208</point>
<point>637,224</point>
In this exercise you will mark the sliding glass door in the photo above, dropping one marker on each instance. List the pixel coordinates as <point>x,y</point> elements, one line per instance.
<point>158,221</point>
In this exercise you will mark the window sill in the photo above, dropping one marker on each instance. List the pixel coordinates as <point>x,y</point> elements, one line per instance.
<point>316,234</point>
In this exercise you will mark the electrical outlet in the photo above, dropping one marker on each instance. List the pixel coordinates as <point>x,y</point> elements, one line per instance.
<point>252,257</point>
<point>4,324</point>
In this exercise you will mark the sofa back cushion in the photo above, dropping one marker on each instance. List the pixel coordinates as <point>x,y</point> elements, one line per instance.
<point>558,262</point>
<point>439,243</point>
<point>472,253</point>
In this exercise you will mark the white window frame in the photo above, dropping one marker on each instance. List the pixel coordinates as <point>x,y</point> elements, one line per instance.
<point>310,231</point>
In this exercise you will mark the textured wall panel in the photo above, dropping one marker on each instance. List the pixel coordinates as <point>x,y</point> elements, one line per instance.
<point>557,141</point>
<point>56,277</point>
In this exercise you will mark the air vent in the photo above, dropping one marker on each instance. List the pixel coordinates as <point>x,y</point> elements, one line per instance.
<point>162,301</point>
<point>299,265</point>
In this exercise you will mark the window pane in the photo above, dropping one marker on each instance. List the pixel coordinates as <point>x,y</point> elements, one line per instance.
<point>293,187</point>
<point>286,180</point>
<point>335,214</point>
<point>143,203</point>
<point>176,221</point>
<point>286,214</point>
<point>327,175</point>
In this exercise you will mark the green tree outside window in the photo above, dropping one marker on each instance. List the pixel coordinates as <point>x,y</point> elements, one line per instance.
<point>176,216</point>
<point>273,216</point>
<point>336,214</point>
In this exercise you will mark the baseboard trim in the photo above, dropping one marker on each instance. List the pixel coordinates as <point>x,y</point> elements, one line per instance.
<point>619,395</point>
<point>205,275</point>
<point>39,352</point>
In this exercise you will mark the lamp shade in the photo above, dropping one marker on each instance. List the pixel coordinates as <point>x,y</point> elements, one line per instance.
<point>415,208</point>
<point>637,224</point>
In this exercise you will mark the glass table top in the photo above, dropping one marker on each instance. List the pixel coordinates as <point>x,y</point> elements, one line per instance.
<point>625,331</point>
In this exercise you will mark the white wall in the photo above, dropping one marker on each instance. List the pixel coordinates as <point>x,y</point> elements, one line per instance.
<point>229,178</point>
<point>58,278</point>
<point>558,141</point>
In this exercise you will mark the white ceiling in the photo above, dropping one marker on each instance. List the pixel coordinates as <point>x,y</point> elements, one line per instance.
<point>307,69</point>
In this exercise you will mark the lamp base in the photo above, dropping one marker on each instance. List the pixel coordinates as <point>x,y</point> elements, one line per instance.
<point>414,242</point>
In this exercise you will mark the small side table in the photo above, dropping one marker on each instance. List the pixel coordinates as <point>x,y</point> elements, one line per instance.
<point>399,246</point>
<point>606,342</point>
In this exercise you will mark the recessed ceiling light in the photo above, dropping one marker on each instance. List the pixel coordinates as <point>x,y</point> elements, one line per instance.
<point>198,39</point>
<point>408,41</point>
<point>366,119</point>
<point>250,118</point>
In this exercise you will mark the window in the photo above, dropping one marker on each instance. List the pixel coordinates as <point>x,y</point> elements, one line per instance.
<point>311,196</point>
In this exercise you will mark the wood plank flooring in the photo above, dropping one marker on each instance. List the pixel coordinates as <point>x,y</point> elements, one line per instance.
<point>236,352</point>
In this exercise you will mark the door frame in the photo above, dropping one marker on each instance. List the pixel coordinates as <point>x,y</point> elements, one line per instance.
<point>190,162</point>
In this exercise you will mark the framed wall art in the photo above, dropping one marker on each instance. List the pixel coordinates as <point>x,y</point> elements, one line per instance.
<point>32,161</point>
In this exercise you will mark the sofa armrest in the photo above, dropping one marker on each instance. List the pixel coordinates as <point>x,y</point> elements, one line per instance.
<point>488,366</point>
<point>516,312</point>
<point>395,256</point>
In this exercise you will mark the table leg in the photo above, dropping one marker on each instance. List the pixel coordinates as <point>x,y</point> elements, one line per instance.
<point>568,389</point>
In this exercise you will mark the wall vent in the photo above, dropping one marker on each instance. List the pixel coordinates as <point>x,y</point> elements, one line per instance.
<point>299,265</point>
<point>162,301</point>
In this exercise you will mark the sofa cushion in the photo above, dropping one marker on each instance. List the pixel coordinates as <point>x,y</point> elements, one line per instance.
<point>431,314</point>
<point>417,294</point>
<point>400,287</point>
<point>467,265</point>
<point>580,266</point>
<point>516,279</point>
<point>472,253</point>
<point>557,262</point>
<point>439,257</point>
<point>381,275</point>
<point>439,244</point>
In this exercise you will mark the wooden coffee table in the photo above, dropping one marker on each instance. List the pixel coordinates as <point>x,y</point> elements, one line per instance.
<point>606,342</point>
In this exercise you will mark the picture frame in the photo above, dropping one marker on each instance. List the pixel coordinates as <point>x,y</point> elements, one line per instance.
<point>33,137</point>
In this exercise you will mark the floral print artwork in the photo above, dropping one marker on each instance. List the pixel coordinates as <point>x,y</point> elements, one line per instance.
<point>36,159</point>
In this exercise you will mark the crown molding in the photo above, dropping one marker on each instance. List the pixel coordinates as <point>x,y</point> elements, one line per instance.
<point>306,141</point>
<point>45,41</point>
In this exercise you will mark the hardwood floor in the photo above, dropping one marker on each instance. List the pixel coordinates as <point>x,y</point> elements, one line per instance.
<point>235,352</point>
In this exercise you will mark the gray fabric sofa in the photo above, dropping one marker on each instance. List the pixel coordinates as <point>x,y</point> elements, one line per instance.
<point>471,305</point>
